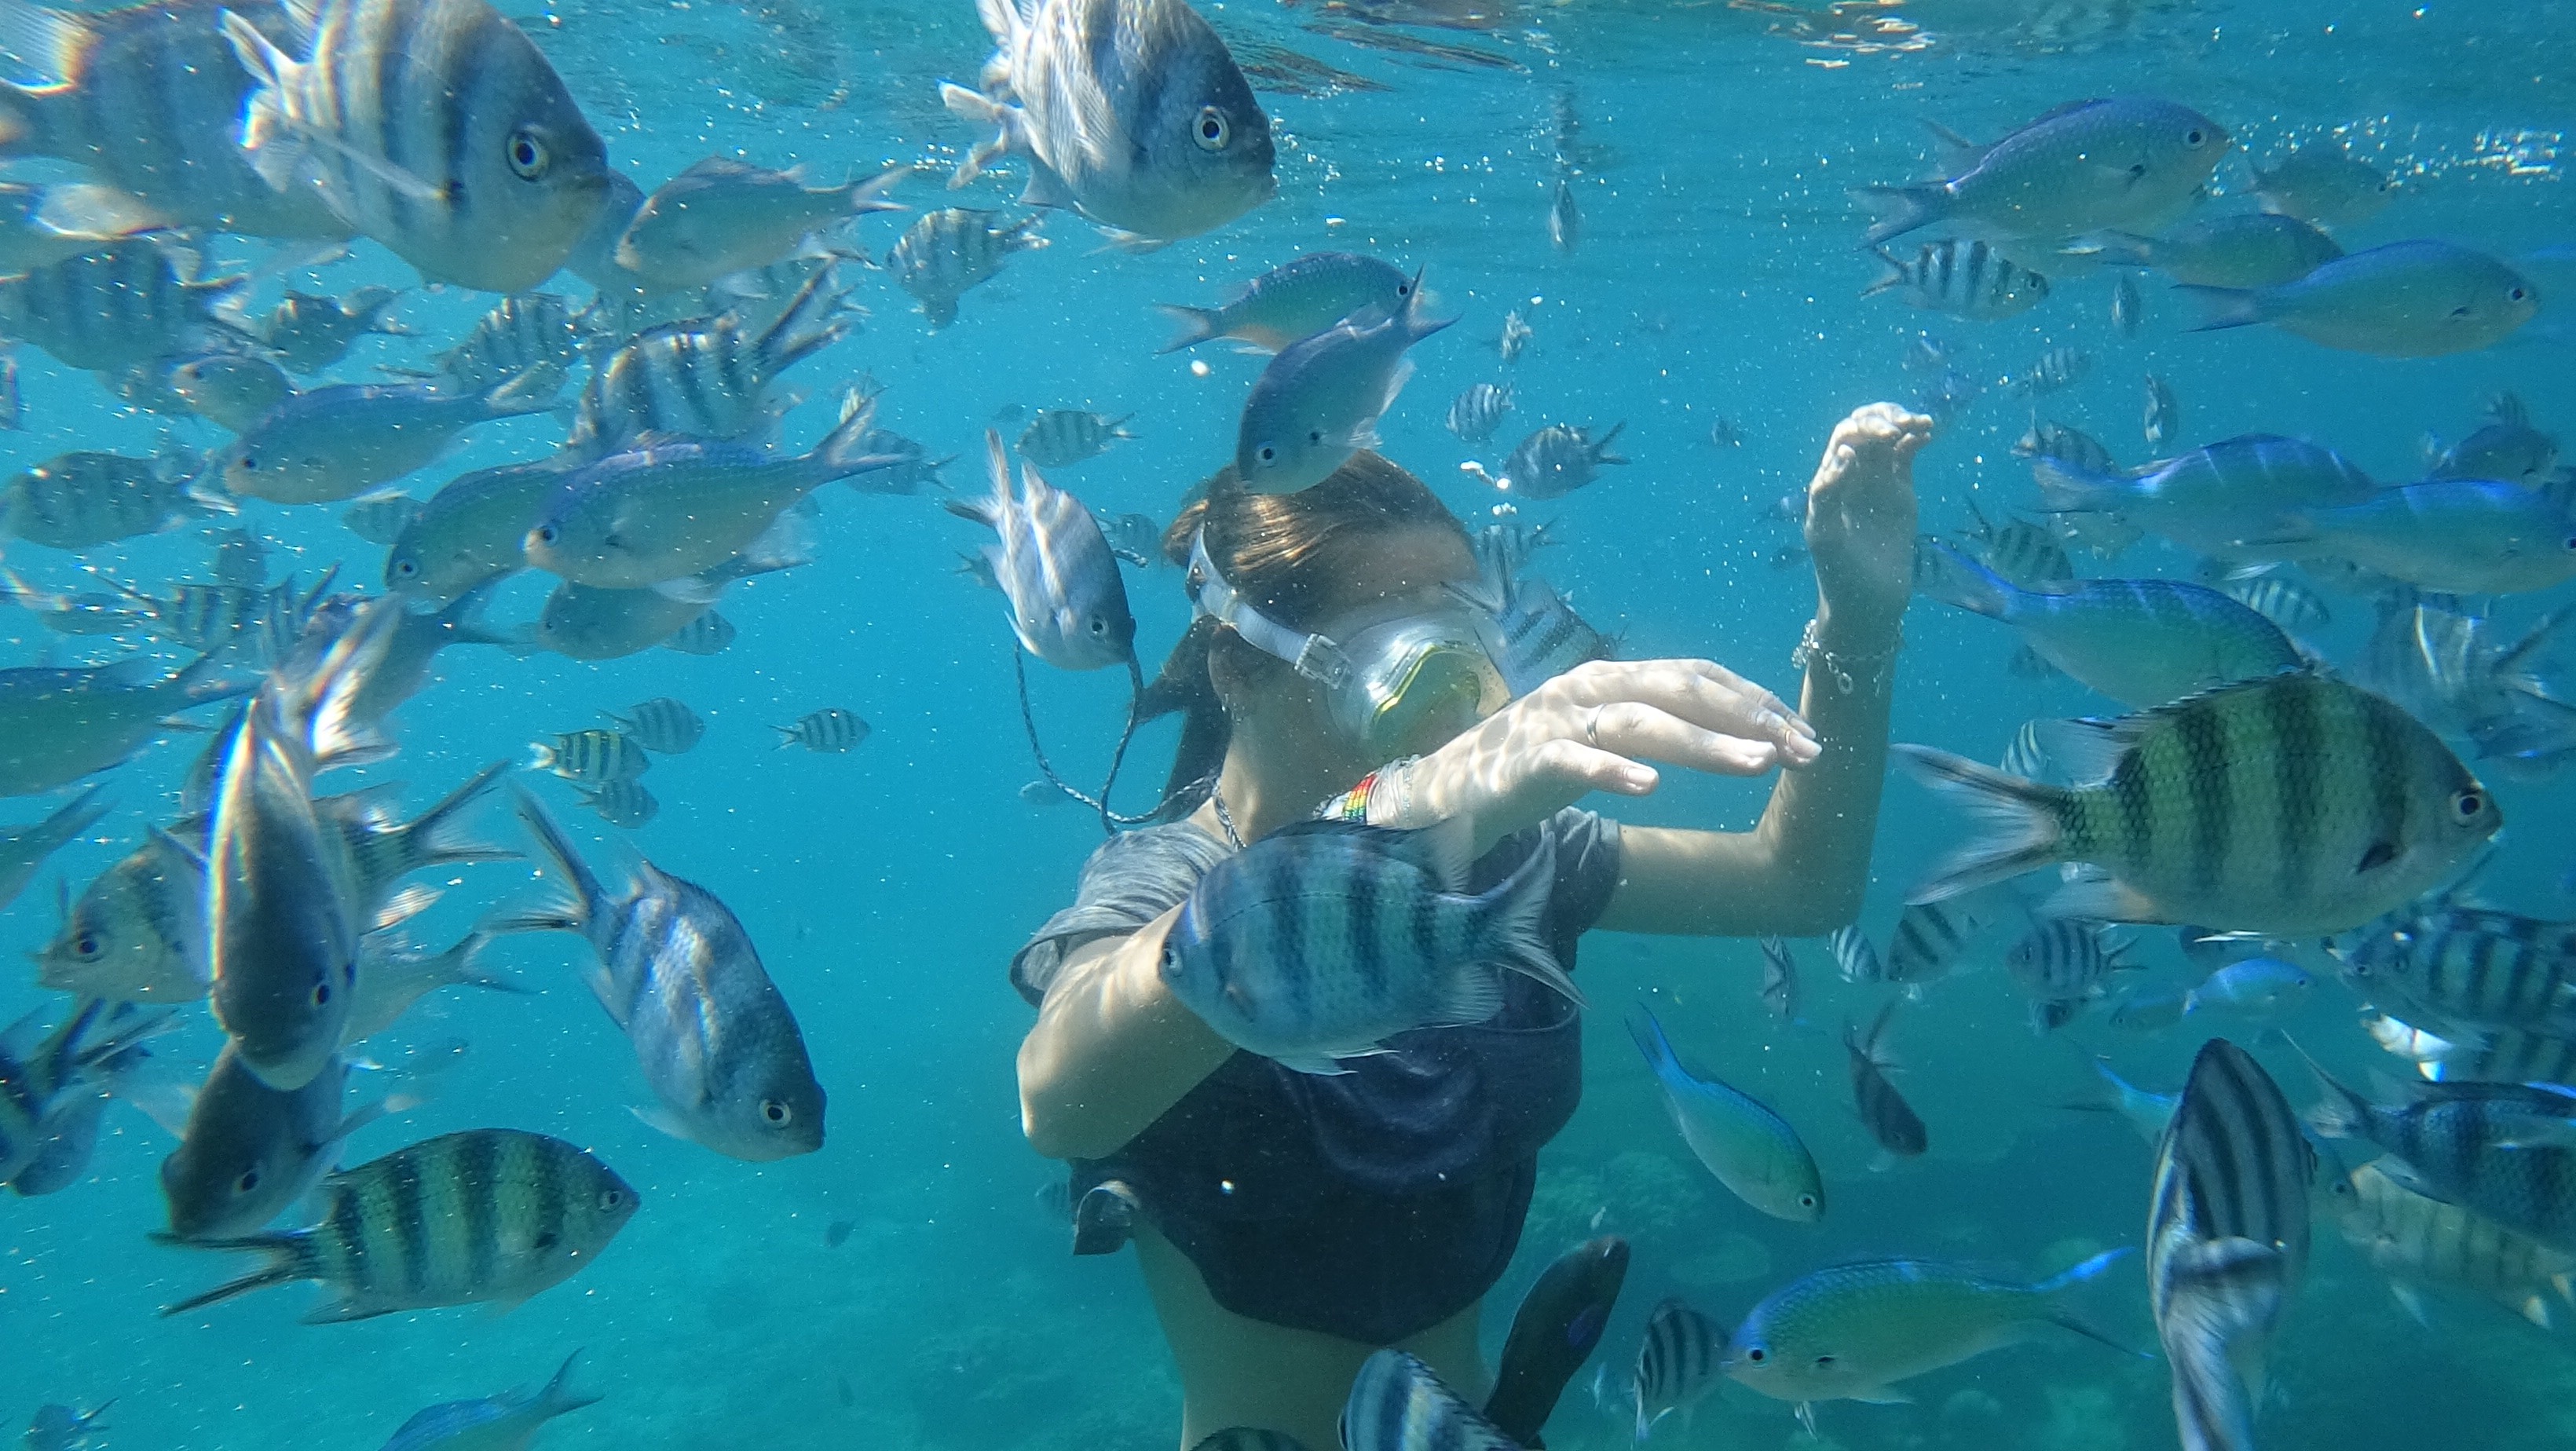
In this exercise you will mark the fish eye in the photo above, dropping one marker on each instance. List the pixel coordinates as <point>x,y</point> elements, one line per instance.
<point>528,155</point>
<point>1404,289</point>
<point>86,945</point>
<point>2516,294</point>
<point>773,1112</point>
<point>1099,626</point>
<point>250,461</point>
<point>2468,805</point>
<point>1211,131</point>
<point>1315,435</point>
<point>1267,453</point>
<point>406,568</point>
<point>550,1239</point>
<point>611,1198</point>
<point>547,534</point>
<point>248,1181</point>
<point>321,995</point>
<point>1757,1355</point>
<point>1806,1201</point>
<point>1824,1362</point>
<point>2194,137</point>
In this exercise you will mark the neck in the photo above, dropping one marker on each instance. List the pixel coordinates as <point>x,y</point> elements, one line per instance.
<point>1264,792</point>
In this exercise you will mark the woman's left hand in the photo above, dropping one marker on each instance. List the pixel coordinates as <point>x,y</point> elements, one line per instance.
<point>1861,518</point>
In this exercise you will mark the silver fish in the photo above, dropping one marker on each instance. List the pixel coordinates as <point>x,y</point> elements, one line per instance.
<point>472,531</point>
<point>136,933</point>
<point>1883,1111</point>
<point>432,126</point>
<point>951,250</point>
<point>23,849</point>
<point>60,1428</point>
<point>393,975</point>
<point>2412,299</point>
<point>656,515</point>
<point>382,516</point>
<point>250,1151</point>
<point>1676,1364</point>
<point>583,623</point>
<point>2133,162</point>
<point>1564,218</point>
<point>1319,400</point>
<point>1129,111</point>
<point>723,216</point>
<point>2128,310</point>
<point>2057,368</point>
<point>2253,249</point>
<point>625,804</point>
<point>677,972</point>
<point>343,439</point>
<point>2321,182</point>
<point>2460,536</point>
<point>1779,979</point>
<point>1857,960</point>
<point>532,333</point>
<point>230,390</point>
<point>58,725</point>
<point>2505,447</point>
<point>1294,300</point>
<point>282,917</point>
<point>1067,601</point>
<point>2163,419</point>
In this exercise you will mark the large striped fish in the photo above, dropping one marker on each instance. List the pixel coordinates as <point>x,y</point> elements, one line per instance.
<point>149,99</point>
<point>704,378</point>
<point>482,1215</point>
<point>1324,938</point>
<point>434,127</point>
<point>2418,1241</point>
<point>2227,1241</point>
<point>113,308</point>
<point>678,973</point>
<point>2288,806</point>
<point>2501,1149</point>
<point>2469,967</point>
<point>1398,1404</point>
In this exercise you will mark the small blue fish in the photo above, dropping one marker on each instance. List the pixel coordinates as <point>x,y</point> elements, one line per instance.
<point>2210,499</point>
<point>1751,1150</point>
<point>506,1422</point>
<point>2458,536</point>
<point>2133,162</point>
<point>1319,401</point>
<point>2257,988</point>
<point>2413,299</point>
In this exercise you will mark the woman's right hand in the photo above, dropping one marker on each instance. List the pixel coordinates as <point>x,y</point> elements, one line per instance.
<point>1594,728</point>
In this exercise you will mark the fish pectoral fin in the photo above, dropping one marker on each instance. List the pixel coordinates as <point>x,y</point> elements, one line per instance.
<point>1880,1396</point>
<point>1318,1064</point>
<point>661,1117</point>
<point>2102,899</point>
<point>1473,994</point>
<point>2412,1299</point>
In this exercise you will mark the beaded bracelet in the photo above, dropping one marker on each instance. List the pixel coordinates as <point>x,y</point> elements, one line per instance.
<point>1847,671</point>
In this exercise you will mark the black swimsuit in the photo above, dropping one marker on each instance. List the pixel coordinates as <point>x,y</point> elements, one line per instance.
<point>1372,1204</point>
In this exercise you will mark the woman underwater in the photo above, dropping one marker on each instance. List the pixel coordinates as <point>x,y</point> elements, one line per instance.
<point>1289,1223</point>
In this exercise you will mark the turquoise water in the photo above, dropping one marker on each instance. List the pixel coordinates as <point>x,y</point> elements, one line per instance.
<point>1716,278</point>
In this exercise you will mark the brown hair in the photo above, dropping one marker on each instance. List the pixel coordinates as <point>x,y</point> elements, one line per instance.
<point>1287,555</point>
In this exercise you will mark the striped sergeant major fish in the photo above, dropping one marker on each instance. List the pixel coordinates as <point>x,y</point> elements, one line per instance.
<point>483,1215</point>
<point>37,1074</point>
<point>1931,938</point>
<point>2501,1149</point>
<point>1856,958</point>
<point>2418,1241</point>
<point>149,99</point>
<point>533,332</point>
<point>2469,967</point>
<point>1677,1363</point>
<point>121,305</point>
<point>1052,563</point>
<point>952,250</point>
<point>2490,1055</point>
<point>675,970</point>
<point>1398,1404</point>
<point>704,378</point>
<point>2227,1241</point>
<point>434,127</point>
<point>1962,278</point>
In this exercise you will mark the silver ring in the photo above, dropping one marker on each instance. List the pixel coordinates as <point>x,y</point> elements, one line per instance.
<point>1592,728</point>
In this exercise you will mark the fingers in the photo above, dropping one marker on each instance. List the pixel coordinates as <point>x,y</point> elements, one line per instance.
<point>1591,768</point>
<point>1701,693</point>
<point>1637,730</point>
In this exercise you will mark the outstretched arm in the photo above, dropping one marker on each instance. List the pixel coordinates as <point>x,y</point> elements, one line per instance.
<point>1801,870</point>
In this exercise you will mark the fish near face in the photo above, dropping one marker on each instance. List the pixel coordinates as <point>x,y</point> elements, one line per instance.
<point>1203,144</point>
<point>546,180</point>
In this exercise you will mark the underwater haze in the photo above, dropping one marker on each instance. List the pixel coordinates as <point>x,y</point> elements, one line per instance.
<point>1662,195</point>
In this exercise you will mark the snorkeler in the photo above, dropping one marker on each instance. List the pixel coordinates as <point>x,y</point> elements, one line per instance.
<point>1290,1223</point>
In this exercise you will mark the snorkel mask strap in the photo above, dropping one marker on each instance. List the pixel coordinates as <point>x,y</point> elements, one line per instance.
<point>1312,656</point>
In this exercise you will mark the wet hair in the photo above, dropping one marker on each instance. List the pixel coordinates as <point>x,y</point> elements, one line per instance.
<point>1291,556</point>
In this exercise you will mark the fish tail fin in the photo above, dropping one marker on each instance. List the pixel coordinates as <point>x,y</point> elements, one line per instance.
<point>844,450</point>
<point>1647,1031</point>
<point>1191,325</point>
<point>559,1396</point>
<point>1901,209</point>
<point>78,814</point>
<point>323,704</point>
<point>983,111</point>
<point>807,325</point>
<point>2091,1269</point>
<point>2066,487</point>
<point>289,1260</point>
<point>1892,274</point>
<point>48,43</point>
<point>868,194</point>
<point>435,837</point>
<point>1945,573</point>
<point>528,391</point>
<point>2224,307</point>
<point>267,140</point>
<point>2021,821</point>
<point>1511,937</point>
<point>569,909</point>
<point>1001,19</point>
